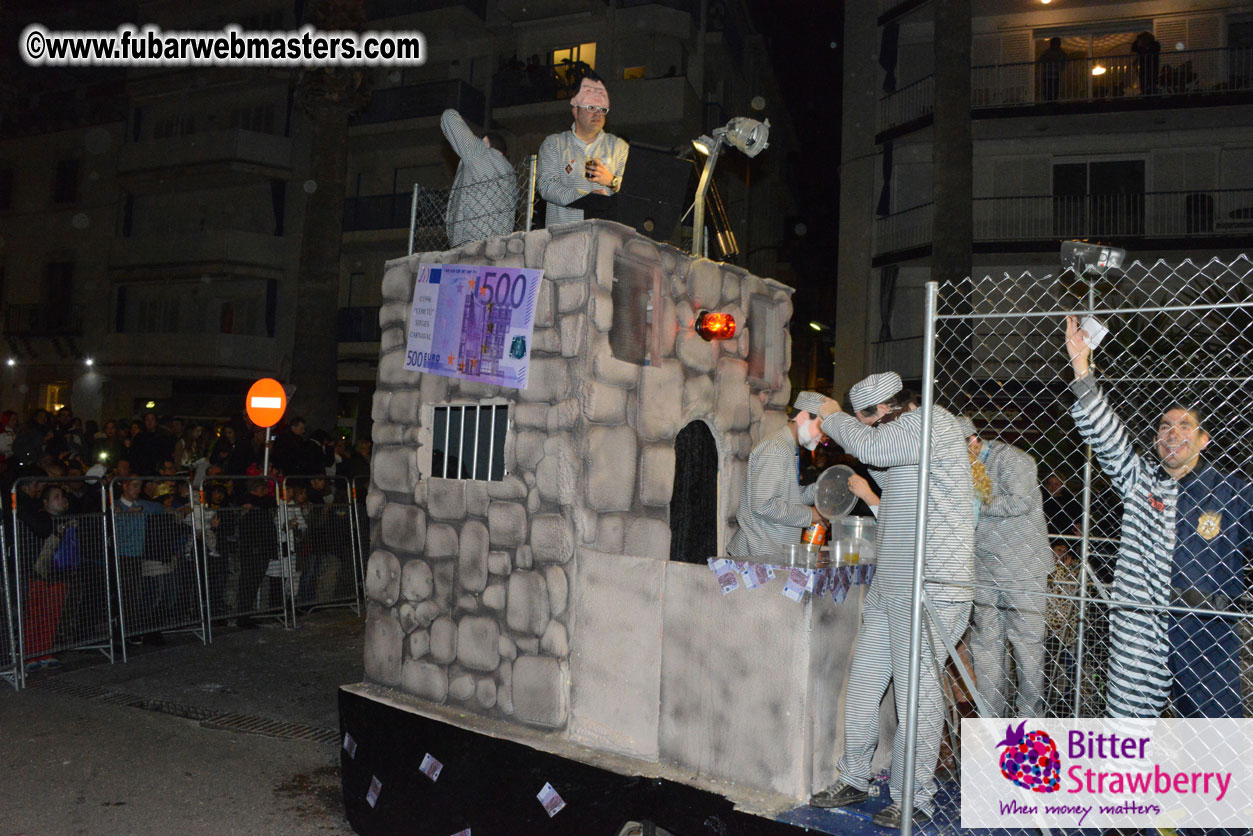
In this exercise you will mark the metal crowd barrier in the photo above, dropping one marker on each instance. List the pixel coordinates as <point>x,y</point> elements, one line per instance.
<point>61,594</point>
<point>247,571</point>
<point>157,559</point>
<point>321,542</point>
<point>361,528</point>
<point>145,556</point>
<point>8,638</point>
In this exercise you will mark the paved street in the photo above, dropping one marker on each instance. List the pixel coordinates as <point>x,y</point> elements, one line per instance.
<point>235,737</point>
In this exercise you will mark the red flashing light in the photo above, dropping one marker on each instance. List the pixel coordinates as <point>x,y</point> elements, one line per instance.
<point>715,326</point>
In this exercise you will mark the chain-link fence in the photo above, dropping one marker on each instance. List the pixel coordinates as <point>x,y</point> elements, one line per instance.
<point>1112,496</point>
<point>441,219</point>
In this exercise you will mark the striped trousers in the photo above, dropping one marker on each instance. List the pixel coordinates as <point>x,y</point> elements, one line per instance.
<point>882,656</point>
<point>1013,614</point>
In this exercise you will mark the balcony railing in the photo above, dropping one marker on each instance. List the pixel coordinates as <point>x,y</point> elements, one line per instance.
<point>358,324</point>
<point>53,320</point>
<point>1173,73</point>
<point>418,100</point>
<point>1104,216</point>
<point>383,211</point>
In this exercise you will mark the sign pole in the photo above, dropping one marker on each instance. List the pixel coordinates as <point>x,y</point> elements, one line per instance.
<point>265,468</point>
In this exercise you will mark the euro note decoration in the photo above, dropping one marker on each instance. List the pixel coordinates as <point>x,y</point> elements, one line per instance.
<point>473,322</point>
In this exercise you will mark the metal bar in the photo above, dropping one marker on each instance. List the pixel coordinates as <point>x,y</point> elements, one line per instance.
<point>1220,306</point>
<point>413,217</point>
<point>1084,553</point>
<point>491,446</point>
<point>474,461</point>
<point>530,193</point>
<point>461,443</point>
<point>447,425</point>
<point>920,552</point>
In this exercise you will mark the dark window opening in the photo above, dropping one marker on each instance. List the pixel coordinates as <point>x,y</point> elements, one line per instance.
<point>65,186</point>
<point>765,352</point>
<point>468,442</point>
<point>694,502</point>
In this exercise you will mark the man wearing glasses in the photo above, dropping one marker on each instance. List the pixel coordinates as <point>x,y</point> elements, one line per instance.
<point>583,159</point>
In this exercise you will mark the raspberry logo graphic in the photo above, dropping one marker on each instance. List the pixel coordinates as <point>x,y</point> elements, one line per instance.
<point>1030,759</point>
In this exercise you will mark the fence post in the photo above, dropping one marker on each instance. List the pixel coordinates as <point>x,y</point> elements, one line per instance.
<point>413,217</point>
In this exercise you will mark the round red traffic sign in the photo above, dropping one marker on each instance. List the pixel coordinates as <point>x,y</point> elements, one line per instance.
<point>266,402</point>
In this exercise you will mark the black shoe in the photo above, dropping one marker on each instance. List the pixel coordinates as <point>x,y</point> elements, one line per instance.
<point>838,794</point>
<point>890,817</point>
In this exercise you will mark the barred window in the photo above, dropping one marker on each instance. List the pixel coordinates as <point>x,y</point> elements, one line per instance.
<point>468,442</point>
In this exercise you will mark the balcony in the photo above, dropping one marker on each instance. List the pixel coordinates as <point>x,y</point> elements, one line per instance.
<point>236,149</point>
<point>1184,78</point>
<point>195,354</point>
<point>226,250</point>
<point>358,324</point>
<point>1173,218</point>
<point>51,320</point>
<point>419,100</point>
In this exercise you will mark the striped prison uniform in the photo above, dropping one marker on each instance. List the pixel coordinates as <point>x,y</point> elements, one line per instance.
<point>882,652</point>
<point>774,508</point>
<point>1012,564</point>
<point>1161,547</point>
<point>559,170</point>
<point>484,190</point>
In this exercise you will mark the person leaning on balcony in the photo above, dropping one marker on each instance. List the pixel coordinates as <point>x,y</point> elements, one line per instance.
<point>484,190</point>
<point>1186,528</point>
<point>582,160</point>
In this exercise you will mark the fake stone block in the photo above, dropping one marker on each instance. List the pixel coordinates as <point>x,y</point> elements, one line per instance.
<point>441,541</point>
<point>398,281</point>
<point>573,334</point>
<point>426,680</point>
<point>648,538</point>
<point>657,474</point>
<point>659,412</point>
<point>418,644</point>
<point>506,524</point>
<point>566,256</point>
<point>731,410</point>
<point>552,538</point>
<point>604,404</point>
<point>704,284</point>
<point>610,529</point>
<point>403,527</point>
<point>382,578</point>
<point>571,296</point>
<point>548,381</point>
<point>615,372</point>
<point>510,487</point>
<point>392,469</point>
<point>527,610</point>
<point>485,692</point>
<point>558,590</point>
<point>461,687</point>
<point>530,448</point>
<point>533,416</point>
<point>403,408</point>
<point>696,353</point>
<point>472,557</point>
<point>508,650</point>
<point>425,612</point>
<point>600,309</point>
<point>478,643</point>
<point>443,640</point>
<point>609,477</point>
<point>384,648</point>
<point>545,341</point>
<point>498,563</point>
<point>545,304</point>
<point>539,691</point>
<point>446,499</point>
<point>556,473</point>
<point>555,641</point>
<point>698,398</point>
<point>563,416</point>
<point>534,243</point>
<point>494,596</point>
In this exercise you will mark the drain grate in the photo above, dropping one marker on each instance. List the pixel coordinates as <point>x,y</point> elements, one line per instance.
<point>245,723</point>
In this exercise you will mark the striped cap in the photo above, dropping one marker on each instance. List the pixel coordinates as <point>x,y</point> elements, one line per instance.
<point>966,426</point>
<point>808,401</point>
<point>873,390</point>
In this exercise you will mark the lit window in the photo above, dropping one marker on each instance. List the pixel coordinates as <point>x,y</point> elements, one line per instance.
<point>633,72</point>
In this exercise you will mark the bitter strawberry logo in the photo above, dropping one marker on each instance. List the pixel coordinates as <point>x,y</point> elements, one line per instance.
<point>1030,759</point>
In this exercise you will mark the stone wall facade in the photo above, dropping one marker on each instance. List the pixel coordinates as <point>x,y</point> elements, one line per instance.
<point>470,583</point>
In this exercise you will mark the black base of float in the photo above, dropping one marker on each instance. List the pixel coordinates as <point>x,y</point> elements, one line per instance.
<point>490,785</point>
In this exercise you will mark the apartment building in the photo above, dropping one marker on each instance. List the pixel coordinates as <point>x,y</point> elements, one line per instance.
<point>1128,123</point>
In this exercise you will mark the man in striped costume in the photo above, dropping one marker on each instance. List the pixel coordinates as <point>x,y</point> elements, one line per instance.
<point>886,431</point>
<point>774,508</point>
<point>1185,527</point>
<point>1012,565</point>
<point>582,160</point>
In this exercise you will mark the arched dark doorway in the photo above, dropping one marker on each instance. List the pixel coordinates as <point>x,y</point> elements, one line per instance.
<point>694,502</point>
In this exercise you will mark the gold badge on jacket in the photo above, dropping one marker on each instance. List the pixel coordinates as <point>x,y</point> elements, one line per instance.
<point>1209,524</point>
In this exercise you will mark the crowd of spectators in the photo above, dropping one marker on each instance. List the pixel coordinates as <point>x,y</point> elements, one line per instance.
<point>54,469</point>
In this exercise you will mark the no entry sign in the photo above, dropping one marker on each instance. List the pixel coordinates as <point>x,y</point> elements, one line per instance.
<point>266,402</point>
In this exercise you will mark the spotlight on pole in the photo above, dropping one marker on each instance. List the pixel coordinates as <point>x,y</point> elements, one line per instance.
<point>749,136</point>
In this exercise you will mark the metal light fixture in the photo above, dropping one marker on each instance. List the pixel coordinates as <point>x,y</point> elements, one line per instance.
<point>715,326</point>
<point>1098,69</point>
<point>749,136</point>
